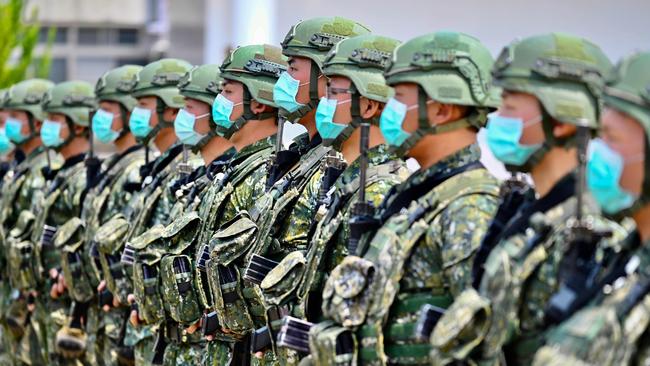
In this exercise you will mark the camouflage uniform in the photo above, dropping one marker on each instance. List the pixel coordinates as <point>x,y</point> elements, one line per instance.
<point>21,189</point>
<point>613,328</point>
<point>152,198</point>
<point>509,314</point>
<point>423,249</point>
<point>229,225</point>
<point>106,199</point>
<point>56,230</point>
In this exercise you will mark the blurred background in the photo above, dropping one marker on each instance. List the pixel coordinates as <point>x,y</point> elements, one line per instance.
<point>83,38</point>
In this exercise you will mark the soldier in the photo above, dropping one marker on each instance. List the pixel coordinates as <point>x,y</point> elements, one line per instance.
<point>612,330</point>
<point>106,198</point>
<point>195,129</point>
<point>427,228</point>
<point>65,130</point>
<point>20,190</point>
<point>245,113</point>
<point>551,100</point>
<point>158,102</point>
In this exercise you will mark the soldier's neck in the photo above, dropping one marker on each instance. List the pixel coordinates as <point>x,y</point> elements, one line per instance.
<point>309,122</point>
<point>433,148</point>
<point>214,149</point>
<point>165,139</point>
<point>253,131</point>
<point>642,220</point>
<point>78,145</point>
<point>351,148</point>
<point>125,142</point>
<point>31,145</point>
<point>554,166</point>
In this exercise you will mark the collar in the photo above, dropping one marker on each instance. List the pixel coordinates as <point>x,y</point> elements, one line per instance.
<point>460,158</point>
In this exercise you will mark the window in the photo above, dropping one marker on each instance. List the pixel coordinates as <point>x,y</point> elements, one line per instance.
<point>94,36</point>
<point>127,36</point>
<point>60,37</point>
<point>58,70</point>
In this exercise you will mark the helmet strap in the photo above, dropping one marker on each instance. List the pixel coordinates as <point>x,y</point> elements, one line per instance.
<point>248,115</point>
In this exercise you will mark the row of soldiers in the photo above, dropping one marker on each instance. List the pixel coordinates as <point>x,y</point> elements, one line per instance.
<point>204,241</point>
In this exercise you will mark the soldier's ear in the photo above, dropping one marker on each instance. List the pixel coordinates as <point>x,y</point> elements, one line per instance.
<point>561,130</point>
<point>257,107</point>
<point>369,108</point>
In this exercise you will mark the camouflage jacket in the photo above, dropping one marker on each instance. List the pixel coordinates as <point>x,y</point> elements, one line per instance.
<point>422,254</point>
<point>302,274</point>
<point>61,202</point>
<point>23,186</point>
<point>521,275</point>
<point>613,329</point>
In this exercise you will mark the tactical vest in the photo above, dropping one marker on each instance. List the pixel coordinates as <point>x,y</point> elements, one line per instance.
<point>298,274</point>
<point>69,240</point>
<point>111,237</point>
<point>511,272</point>
<point>163,273</point>
<point>362,293</point>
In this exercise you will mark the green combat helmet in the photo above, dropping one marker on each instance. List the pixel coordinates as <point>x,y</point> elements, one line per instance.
<point>363,60</point>
<point>448,67</point>
<point>257,67</point>
<point>75,100</point>
<point>160,79</point>
<point>27,96</point>
<point>202,83</point>
<point>628,90</point>
<point>115,86</point>
<point>565,73</point>
<point>313,39</point>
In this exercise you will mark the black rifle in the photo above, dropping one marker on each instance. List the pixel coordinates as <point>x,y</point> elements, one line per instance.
<point>362,217</point>
<point>258,268</point>
<point>294,334</point>
<point>579,268</point>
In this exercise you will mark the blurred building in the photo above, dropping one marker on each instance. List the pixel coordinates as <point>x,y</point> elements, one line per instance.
<point>93,36</point>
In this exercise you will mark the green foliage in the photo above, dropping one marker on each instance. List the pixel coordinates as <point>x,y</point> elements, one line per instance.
<point>18,40</point>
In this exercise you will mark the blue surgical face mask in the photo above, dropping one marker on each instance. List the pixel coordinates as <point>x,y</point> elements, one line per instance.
<point>51,133</point>
<point>503,135</point>
<point>325,124</point>
<point>5,144</point>
<point>139,122</point>
<point>391,120</point>
<point>13,128</point>
<point>102,125</point>
<point>604,170</point>
<point>285,91</point>
<point>184,127</point>
<point>222,110</point>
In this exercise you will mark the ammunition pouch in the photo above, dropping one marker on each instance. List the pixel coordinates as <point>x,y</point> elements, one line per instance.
<point>258,268</point>
<point>331,345</point>
<point>74,261</point>
<point>348,291</point>
<point>281,283</point>
<point>149,251</point>
<point>294,334</point>
<point>237,303</point>
<point>178,293</point>
<point>22,255</point>
<point>110,238</point>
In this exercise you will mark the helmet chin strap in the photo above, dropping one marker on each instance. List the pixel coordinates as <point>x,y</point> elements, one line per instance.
<point>71,135</point>
<point>314,75</point>
<point>160,110</point>
<point>248,115</point>
<point>355,122</point>
<point>125,125</point>
<point>425,127</point>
